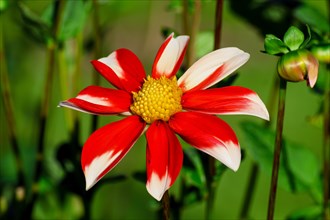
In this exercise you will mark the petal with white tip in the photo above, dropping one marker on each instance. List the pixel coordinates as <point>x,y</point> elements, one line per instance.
<point>170,56</point>
<point>226,101</point>
<point>122,69</point>
<point>164,158</point>
<point>209,134</point>
<point>212,68</point>
<point>100,101</point>
<point>107,146</point>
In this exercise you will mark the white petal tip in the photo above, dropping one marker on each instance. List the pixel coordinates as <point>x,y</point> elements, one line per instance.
<point>90,181</point>
<point>93,171</point>
<point>155,192</point>
<point>230,155</point>
<point>157,186</point>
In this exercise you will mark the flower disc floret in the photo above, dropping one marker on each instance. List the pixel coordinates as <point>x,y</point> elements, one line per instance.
<point>158,99</point>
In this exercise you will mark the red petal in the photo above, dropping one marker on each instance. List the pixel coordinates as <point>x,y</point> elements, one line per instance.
<point>209,134</point>
<point>99,100</point>
<point>170,56</point>
<point>123,69</point>
<point>226,100</point>
<point>164,158</point>
<point>212,68</point>
<point>107,146</point>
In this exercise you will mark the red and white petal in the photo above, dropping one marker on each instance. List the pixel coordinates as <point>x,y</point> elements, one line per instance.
<point>123,69</point>
<point>164,158</point>
<point>227,100</point>
<point>100,101</point>
<point>212,68</point>
<point>170,56</point>
<point>107,146</point>
<point>209,134</point>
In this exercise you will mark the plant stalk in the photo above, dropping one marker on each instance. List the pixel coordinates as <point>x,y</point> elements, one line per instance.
<point>97,53</point>
<point>20,191</point>
<point>191,28</point>
<point>51,50</point>
<point>166,206</point>
<point>211,184</point>
<point>254,173</point>
<point>277,151</point>
<point>326,146</point>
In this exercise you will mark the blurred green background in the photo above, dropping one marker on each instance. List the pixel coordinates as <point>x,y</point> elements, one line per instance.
<point>137,25</point>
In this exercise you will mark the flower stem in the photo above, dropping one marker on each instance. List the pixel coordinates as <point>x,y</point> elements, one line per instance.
<point>20,194</point>
<point>249,191</point>
<point>277,151</point>
<point>218,24</point>
<point>191,28</point>
<point>62,69</point>
<point>211,184</point>
<point>166,205</point>
<point>254,173</point>
<point>97,52</point>
<point>326,146</point>
<point>51,50</point>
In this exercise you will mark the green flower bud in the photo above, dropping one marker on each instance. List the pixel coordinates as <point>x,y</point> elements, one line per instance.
<point>297,66</point>
<point>321,52</point>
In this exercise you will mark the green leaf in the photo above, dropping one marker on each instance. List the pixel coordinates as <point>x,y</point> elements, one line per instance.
<point>273,45</point>
<point>312,16</point>
<point>312,212</point>
<point>37,28</point>
<point>293,38</point>
<point>74,17</point>
<point>204,43</point>
<point>3,5</point>
<point>305,43</point>
<point>194,175</point>
<point>299,168</point>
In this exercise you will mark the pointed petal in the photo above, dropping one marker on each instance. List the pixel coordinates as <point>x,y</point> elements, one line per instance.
<point>100,101</point>
<point>107,146</point>
<point>170,56</point>
<point>164,158</point>
<point>313,69</point>
<point>209,134</point>
<point>122,69</point>
<point>227,100</point>
<point>212,68</point>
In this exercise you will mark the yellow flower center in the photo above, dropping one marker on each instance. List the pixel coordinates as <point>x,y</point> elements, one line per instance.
<point>157,100</point>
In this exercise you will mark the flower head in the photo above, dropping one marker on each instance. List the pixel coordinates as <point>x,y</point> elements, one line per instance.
<point>162,106</point>
<point>298,65</point>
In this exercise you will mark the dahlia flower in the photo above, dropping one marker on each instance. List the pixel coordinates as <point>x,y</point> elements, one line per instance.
<point>161,106</point>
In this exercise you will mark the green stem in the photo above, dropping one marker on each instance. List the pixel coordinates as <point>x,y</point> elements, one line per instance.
<point>97,53</point>
<point>218,24</point>
<point>191,28</point>
<point>277,151</point>
<point>249,191</point>
<point>166,206</point>
<point>326,146</point>
<point>185,18</point>
<point>211,184</point>
<point>254,173</point>
<point>62,69</point>
<point>51,50</point>
<point>20,191</point>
